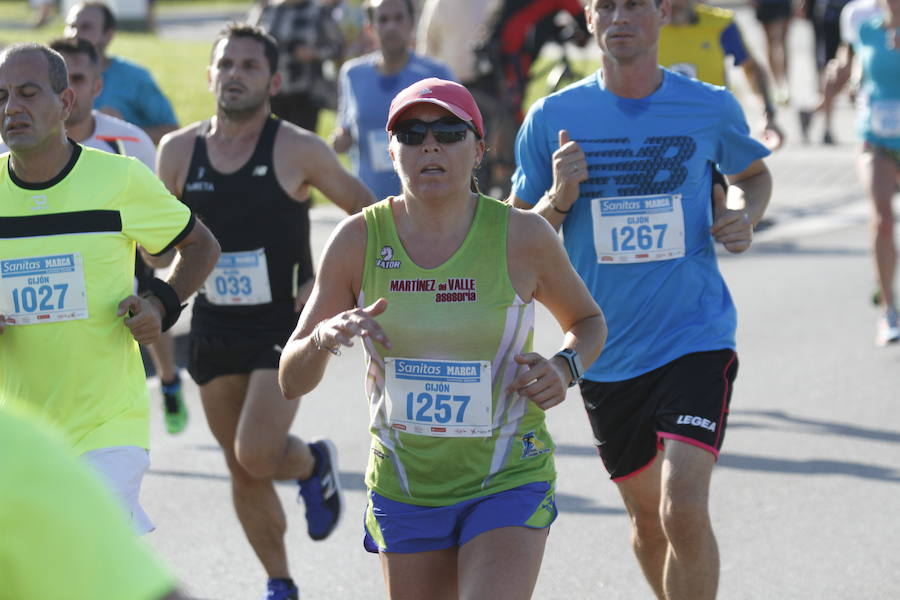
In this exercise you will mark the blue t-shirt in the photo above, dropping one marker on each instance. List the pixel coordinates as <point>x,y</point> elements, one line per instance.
<point>364,98</point>
<point>879,118</point>
<point>648,197</point>
<point>131,91</point>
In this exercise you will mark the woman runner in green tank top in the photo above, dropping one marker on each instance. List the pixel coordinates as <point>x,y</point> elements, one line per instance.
<point>439,284</point>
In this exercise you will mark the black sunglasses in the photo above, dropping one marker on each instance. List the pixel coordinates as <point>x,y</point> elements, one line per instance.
<point>448,130</point>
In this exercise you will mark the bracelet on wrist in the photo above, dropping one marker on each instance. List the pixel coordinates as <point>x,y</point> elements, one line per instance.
<point>551,197</point>
<point>317,342</point>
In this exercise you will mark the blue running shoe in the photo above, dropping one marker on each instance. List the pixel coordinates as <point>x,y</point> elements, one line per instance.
<point>321,493</point>
<point>281,589</point>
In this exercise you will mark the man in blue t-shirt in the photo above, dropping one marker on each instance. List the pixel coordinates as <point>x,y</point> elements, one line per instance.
<point>631,189</point>
<point>129,91</point>
<point>367,85</point>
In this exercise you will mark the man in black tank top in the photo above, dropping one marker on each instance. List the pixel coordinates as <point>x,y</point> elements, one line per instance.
<point>246,174</point>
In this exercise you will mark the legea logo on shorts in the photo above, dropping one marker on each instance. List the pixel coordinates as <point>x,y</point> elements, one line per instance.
<point>386,261</point>
<point>696,422</point>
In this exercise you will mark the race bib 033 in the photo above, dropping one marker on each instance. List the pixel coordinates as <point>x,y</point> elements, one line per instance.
<point>240,278</point>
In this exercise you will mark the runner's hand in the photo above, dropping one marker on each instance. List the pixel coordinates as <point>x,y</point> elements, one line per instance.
<point>732,228</point>
<point>543,381</point>
<point>772,136</point>
<point>144,319</point>
<point>569,170</point>
<point>340,329</point>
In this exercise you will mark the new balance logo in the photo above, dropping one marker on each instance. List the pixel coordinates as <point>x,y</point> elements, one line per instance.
<point>260,170</point>
<point>328,487</point>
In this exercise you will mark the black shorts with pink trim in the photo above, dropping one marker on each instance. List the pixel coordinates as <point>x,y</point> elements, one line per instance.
<point>685,400</point>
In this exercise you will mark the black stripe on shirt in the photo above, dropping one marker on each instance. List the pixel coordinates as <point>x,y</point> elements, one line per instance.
<point>82,221</point>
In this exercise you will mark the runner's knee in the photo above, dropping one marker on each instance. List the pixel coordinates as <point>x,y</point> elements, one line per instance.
<point>257,462</point>
<point>684,516</point>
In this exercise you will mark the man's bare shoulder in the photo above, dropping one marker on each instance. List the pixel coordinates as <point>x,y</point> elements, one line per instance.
<point>180,140</point>
<point>292,138</point>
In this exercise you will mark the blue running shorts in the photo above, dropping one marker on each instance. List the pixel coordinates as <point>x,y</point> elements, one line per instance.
<point>393,526</point>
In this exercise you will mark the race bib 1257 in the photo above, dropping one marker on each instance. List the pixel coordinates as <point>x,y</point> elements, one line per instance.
<point>445,398</point>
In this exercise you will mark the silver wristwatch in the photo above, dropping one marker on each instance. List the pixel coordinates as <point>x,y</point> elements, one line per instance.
<point>576,369</point>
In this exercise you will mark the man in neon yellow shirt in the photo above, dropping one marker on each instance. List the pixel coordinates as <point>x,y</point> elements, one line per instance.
<point>85,540</point>
<point>70,217</point>
<point>696,43</point>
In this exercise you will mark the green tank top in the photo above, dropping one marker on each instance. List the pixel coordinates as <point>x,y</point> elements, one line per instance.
<point>444,428</point>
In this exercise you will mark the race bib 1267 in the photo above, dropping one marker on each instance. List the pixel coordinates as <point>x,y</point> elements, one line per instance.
<point>443,398</point>
<point>43,289</point>
<point>638,228</point>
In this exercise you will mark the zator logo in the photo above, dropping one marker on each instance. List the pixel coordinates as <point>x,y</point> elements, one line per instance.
<point>386,261</point>
<point>260,170</point>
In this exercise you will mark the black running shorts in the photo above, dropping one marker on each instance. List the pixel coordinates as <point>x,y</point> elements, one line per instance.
<point>774,10</point>
<point>685,400</point>
<point>213,355</point>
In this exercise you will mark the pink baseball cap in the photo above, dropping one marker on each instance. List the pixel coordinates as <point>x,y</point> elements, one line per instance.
<point>446,94</point>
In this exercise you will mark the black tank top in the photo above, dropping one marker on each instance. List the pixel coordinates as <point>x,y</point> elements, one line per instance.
<point>247,210</point>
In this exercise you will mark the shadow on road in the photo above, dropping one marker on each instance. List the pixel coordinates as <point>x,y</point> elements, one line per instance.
<point>579,504</point>
<point>573,450</point>
<point>763,247</point>
<point>808,467</point>
<point>349,480</point>
<point>810,425</point>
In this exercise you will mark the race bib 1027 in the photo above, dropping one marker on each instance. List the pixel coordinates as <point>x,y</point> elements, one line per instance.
<point>43,289</point>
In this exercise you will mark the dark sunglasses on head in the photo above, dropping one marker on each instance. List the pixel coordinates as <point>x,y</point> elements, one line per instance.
<point>448,130</point>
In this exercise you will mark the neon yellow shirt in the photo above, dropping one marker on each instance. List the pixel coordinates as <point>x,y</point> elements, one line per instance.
<point>66,261</point>
<point>698,49</point>
<point>63,534</point>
